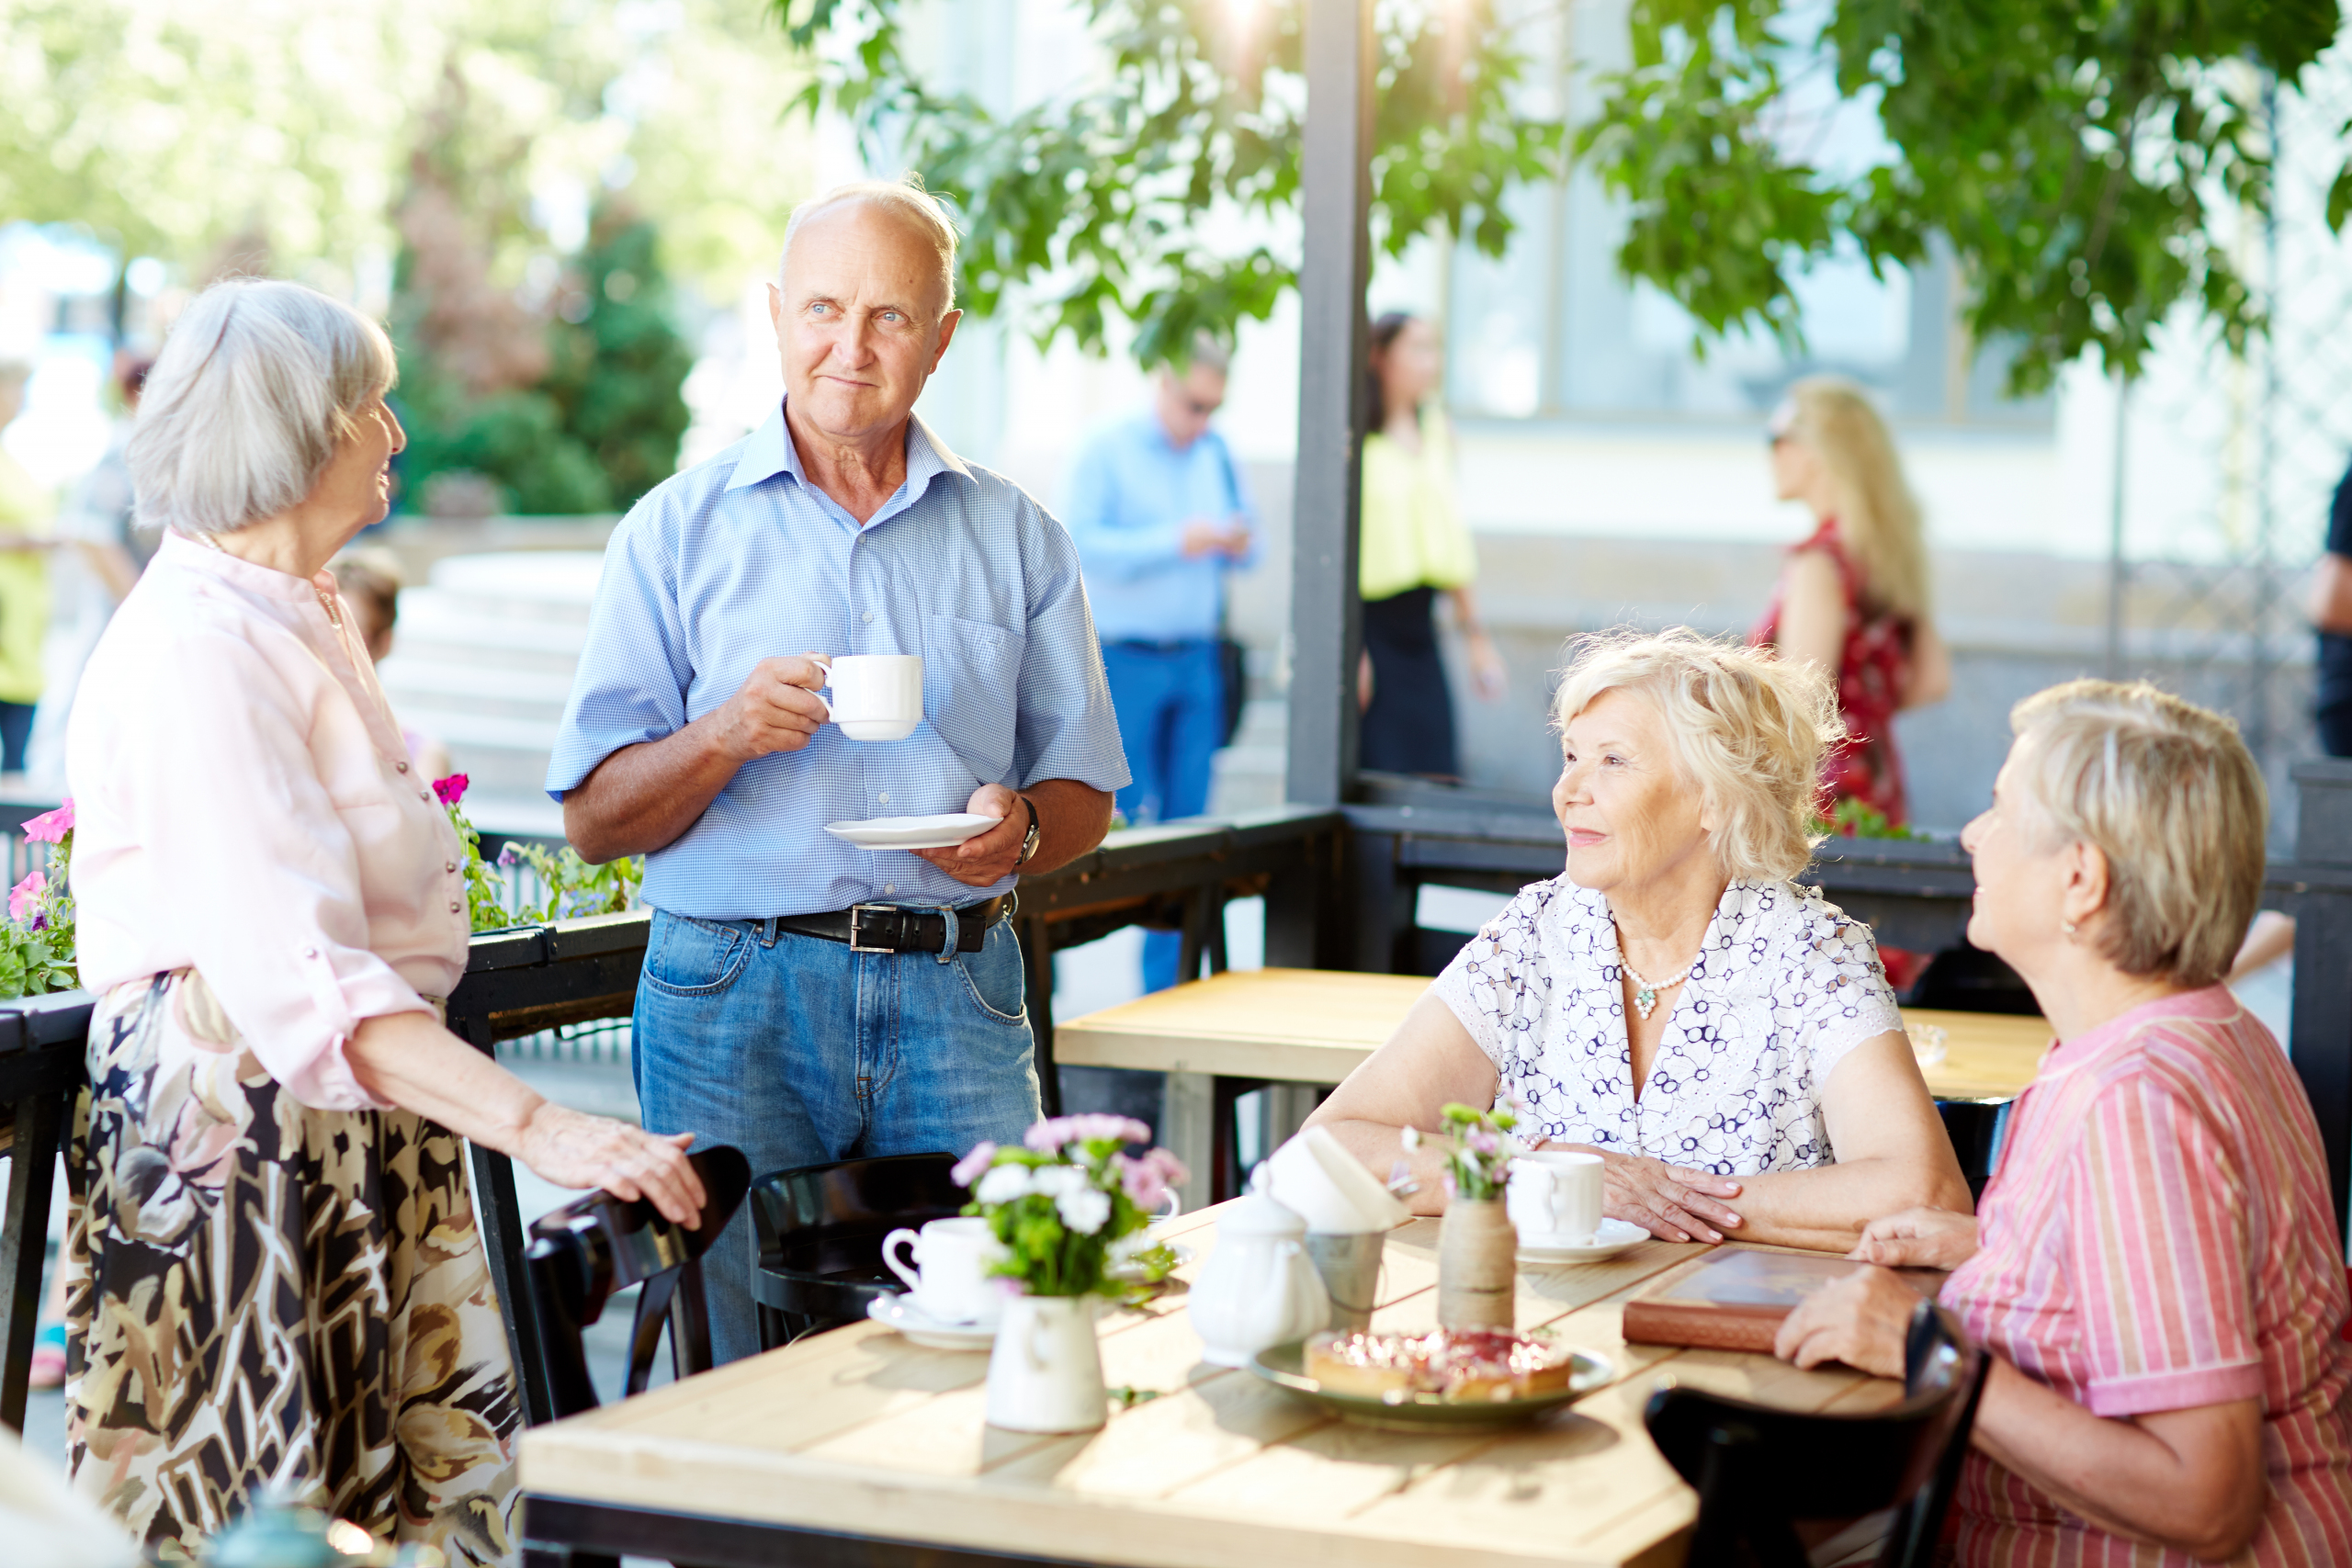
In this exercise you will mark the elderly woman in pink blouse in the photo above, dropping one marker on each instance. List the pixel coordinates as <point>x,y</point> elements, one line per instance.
<point>274,1277</point>
<point>2156,1266</point>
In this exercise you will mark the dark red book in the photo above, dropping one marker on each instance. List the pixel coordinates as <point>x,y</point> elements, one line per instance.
<point>1734,1299</point>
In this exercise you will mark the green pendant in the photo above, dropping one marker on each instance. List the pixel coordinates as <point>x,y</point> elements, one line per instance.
<point>1646,1000</point>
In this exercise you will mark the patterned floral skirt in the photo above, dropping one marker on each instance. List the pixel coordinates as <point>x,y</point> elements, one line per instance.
<point>264,1297</point>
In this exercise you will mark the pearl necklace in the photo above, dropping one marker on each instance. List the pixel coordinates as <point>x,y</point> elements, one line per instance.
<point>1646,990</point>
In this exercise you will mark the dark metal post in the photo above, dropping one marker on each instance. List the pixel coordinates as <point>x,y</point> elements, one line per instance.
<point>40,1130</point>
<point>1336,177</point>
<point>2319,1029</point>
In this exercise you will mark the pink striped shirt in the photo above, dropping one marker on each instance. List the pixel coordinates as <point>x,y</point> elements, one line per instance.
<point>2159,1236</point>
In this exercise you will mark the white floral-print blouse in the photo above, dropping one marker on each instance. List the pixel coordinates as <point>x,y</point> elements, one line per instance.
<point>1784,986</point>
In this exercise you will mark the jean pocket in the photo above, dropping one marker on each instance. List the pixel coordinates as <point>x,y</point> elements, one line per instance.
<point>688,957</point>
<point>993,977</point>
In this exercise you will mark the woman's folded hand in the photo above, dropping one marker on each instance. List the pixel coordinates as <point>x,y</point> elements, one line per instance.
<point>572,1149</point>
<point>1669,1202</point>
<point>1918,1239</point>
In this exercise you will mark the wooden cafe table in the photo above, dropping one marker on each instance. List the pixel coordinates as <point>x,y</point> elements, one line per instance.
<point>1312,1026</point>
<point>859,1447</point>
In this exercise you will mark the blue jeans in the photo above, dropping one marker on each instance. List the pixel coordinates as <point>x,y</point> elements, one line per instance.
<point>800,1052</point>
<point>1171,701</point>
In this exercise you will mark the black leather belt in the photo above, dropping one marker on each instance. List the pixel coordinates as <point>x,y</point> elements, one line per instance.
<point>900,928</point>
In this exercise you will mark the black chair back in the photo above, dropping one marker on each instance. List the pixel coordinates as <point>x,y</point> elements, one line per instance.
<point>821,1229</point>
<point>582,1253</point>
<point>1756,1469</point>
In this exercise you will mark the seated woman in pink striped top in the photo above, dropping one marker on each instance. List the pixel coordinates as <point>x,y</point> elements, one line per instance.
<point>2156,1266</point>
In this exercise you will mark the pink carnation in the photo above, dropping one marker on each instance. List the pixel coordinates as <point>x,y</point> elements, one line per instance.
<point>451,790</point>
<point>50,827</point>
<point>974,1165</point>
<point>1059,1132</point>
<point>1148,1179</point>
<point>24,898</point>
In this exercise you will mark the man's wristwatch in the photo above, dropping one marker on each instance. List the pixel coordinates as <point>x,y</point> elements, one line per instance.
<point>1029,840</point>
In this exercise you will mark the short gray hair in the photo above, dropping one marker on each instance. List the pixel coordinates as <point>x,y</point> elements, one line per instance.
<point>254,389</point>
<point>2173,799</point>
<point>1209,352</point>
<point>903,199</point>
<point>1750,729</point>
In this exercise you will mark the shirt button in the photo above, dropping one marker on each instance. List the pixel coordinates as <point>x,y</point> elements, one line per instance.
<point>453,905</point>
<point>884,797</point>
<point>310,953</point>
<point>424,794</point>
<point>867,617</point>
<point>401,766</point>
<point>889,887</point>
<point>451,866</point>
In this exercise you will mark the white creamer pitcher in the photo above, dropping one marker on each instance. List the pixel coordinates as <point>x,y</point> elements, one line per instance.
<point>1259,1287</point>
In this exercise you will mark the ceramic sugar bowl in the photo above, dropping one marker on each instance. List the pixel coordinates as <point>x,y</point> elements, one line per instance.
<point>1259,1287</point>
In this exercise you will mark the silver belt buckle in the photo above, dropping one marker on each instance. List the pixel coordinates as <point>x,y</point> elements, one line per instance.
<point>857,910</point>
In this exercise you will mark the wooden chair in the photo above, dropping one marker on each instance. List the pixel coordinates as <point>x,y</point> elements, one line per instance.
<point>1756,1469</point>
<point>584,1252</point>
<point>821,1229</point>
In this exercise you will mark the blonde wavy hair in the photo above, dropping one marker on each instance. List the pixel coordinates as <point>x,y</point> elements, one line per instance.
<point>2171,796</point>
<point>1748,731</point>
<point>1878,518</point>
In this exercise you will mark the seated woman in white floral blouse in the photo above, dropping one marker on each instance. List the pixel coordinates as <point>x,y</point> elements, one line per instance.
<point>1723,1038</point>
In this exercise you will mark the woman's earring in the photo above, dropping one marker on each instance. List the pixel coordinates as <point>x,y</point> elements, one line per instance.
<point>2069,926</point>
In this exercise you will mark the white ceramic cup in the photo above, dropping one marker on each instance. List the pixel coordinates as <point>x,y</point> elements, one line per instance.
<point>876,696</point>
<point>1555,1197</point>
<point>949,1281</point>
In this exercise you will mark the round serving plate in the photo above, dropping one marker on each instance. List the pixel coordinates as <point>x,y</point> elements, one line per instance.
<point>1284,1366</point>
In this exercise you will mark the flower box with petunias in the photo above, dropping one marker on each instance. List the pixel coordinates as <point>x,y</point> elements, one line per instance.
<point>1063,1202</point>
<point>37,942</point>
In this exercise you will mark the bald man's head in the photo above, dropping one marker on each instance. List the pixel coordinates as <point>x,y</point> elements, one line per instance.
<point>898,205</point>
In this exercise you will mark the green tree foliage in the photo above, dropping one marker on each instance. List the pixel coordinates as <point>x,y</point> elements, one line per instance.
<point>2089,161</point>
<point>599,424</point>
<point>1100,201</point>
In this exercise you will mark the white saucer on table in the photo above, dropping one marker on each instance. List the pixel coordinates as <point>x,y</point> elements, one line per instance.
<point>913,832</point>
<point>1613,1237</point>
<point>897,1311</point>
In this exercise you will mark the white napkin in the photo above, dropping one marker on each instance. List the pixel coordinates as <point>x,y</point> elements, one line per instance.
<point>1315,1177</point>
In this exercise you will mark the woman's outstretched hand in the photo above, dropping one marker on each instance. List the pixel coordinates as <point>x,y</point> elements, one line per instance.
<point>1671,1202</point>
<point>572,1149</point>
<point>1918,1239</point>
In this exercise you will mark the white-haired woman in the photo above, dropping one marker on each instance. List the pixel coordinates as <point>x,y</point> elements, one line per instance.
<point>1853,597</point>
<point>1723,1038</point>
<point>275,1280</point>
<point>2157,1268</point>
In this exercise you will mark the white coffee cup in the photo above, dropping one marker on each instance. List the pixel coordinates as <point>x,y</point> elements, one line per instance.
<point>1555,1197</point>
<point>877,696</point>
<point>950,1282</point>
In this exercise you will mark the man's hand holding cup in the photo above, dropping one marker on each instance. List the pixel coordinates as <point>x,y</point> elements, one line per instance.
<point>775,709</point>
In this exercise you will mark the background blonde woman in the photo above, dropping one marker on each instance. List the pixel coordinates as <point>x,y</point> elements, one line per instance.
<point>1675,1001</point>
<point>2156,1266</point>
<point>1853,597</point>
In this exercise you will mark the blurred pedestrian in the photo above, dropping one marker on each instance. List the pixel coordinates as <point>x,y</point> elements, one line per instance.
<point>1414,546</point>
<point>369,580</point>
<point>1160,518</point>
<point>28,508</point>
<point>101,552</point>
<point>1853,595</point>
<point>2331,613</point>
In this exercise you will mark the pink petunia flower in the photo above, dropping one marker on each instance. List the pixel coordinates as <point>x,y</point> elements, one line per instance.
<point>26,896</point>
<point>973,1165</point>
<point>451,790</point>
<point>50,827</point>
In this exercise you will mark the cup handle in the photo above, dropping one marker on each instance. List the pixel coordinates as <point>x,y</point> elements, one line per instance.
<point>1175,1207</point>
<point>827,666</point>
<point>890,1256</point>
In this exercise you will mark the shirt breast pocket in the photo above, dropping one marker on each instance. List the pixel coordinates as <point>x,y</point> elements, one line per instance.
<point>971,690</point>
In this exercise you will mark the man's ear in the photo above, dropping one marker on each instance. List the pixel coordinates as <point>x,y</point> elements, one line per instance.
<point>946,330</point>
<point>776,310</point>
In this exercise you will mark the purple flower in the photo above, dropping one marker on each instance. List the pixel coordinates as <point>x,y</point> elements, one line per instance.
<point>972,1166</point>
<point>50,827</point>
<point>1148,1179</point>
<point>1483,1141</point>
<point>451,790</point>
<point>510,855</point>
<point>1059,1132</point>
<point>26,896</point>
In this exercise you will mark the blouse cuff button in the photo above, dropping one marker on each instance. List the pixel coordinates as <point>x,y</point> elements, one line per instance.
<point>451,866</point>
<point>401,766</point>
<point>453,908</point>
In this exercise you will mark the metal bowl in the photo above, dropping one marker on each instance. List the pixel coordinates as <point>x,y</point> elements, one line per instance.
<point>1284,1366</point>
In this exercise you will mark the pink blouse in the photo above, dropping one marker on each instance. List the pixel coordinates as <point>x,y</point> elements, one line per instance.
<point>2160,1236</point>
<point>245,806</point>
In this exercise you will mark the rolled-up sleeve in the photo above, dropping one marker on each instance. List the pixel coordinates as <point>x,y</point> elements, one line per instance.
<point>264,879</point>
<point>2160,1257</point>
<point>634,672</point>
<point>1066,729</point>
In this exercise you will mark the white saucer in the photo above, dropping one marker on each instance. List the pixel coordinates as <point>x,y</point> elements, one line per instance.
<point>1613,1237</point>
<point>913,832</point>
<point>897,1311</point>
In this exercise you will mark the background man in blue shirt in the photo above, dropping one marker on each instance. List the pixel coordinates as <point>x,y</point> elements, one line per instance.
<point>803,999</point>
<point>1159,517</point>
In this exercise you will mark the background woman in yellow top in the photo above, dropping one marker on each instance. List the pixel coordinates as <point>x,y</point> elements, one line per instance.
<point>1414,547</point>
<point>27,509</point>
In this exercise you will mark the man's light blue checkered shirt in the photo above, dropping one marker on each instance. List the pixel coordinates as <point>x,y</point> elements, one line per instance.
<point>741,559</point>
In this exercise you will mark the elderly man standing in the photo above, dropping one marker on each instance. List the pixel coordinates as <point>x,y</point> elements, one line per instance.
<point>1159,517</point>
<point>801,998</point>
